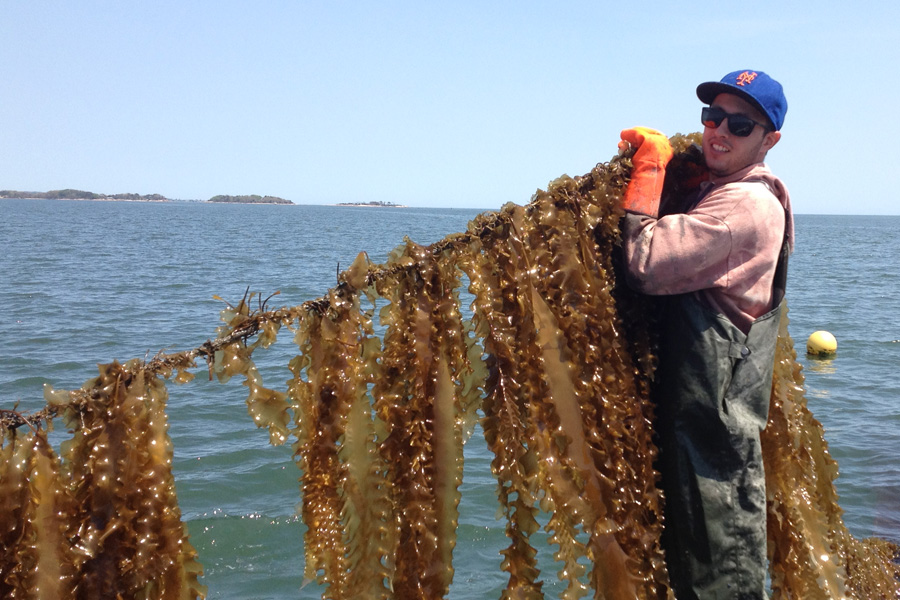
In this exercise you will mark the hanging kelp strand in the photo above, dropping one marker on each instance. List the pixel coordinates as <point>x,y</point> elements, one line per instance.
<point>351,535</point>
<point>506,421</point>
<point>129,539</point>
<point>101,521</point>
<point>424,395</point>
<point>812,553</point>
<point>555,360</point>
<point>31,520</point>
<point>571,374</point>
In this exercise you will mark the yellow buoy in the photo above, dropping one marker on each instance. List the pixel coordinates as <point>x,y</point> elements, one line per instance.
<point>821,343</point>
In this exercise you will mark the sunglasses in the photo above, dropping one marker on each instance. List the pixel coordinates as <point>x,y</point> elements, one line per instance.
<point>739,125</point>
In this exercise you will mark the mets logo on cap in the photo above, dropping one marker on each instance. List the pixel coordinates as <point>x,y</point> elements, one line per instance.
<point>745,78</point>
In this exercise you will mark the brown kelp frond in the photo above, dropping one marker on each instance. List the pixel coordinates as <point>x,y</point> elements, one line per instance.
<point>419,396</point>
<point>343,476</point>
<point>581,312</point>
<point>556,360</point>
<point>14,499</point>
<point>318,406</point>
<point>506,425</point>
<point>812,554</point>
<point>47,557</point>
<point>102,519</point>
<point>118,467</point>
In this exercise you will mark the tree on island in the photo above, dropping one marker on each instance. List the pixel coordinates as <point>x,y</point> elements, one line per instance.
<point>372,203</point>
<point>251,199</point>
<point>70,194</point>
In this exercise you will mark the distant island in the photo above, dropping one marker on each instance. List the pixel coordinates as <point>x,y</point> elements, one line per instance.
<point>252,199</point>
<point>373,203</point>
<point>70,194</point>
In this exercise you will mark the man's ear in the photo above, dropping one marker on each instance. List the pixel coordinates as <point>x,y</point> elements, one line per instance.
<point>771,139</point>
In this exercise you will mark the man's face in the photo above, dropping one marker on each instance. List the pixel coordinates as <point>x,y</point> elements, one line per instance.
<point>726,153</point>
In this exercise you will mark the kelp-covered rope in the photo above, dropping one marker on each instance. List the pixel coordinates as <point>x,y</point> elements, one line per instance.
<point>555,362</point>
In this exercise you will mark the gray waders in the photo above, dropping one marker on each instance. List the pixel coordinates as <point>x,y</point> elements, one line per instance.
<point>712,394</point>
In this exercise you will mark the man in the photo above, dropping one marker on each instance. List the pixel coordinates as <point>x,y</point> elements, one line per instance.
<point>720,263</point>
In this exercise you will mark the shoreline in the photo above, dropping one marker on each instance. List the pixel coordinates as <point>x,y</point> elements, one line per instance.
<point>165,201</point>
<point>366,205</point>
<point>103,200</point>
<point>171,200</point>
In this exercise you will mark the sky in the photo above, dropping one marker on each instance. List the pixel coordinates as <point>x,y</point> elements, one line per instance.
<point>439,104</point>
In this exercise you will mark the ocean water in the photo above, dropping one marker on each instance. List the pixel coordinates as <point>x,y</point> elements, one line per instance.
<point>88,282</point>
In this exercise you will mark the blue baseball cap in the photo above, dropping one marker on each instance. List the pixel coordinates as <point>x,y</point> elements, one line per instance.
<point>756,87</point>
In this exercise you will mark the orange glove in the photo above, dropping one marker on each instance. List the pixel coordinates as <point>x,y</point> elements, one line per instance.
<point>648,169</point>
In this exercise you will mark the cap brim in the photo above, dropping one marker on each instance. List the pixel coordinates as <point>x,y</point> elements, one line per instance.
<point>708,91</point>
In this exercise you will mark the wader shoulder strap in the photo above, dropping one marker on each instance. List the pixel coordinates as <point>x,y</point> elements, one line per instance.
<point>779,283</point>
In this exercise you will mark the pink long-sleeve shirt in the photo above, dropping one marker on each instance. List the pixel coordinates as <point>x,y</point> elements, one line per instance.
<point>725,248</point>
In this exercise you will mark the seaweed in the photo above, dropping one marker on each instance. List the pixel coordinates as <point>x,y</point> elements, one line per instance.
<point>555,362</point>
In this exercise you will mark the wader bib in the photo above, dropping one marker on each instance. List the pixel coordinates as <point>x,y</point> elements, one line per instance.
<point>712,393</point>
<point>713,400</point>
